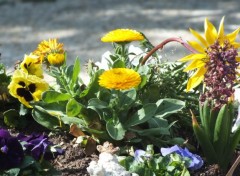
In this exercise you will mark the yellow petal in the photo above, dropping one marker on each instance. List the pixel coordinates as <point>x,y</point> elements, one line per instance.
<point>232,36</point>
<point>196,79</point>
<point>221,30</point>
<point>199,37</point>
<point>195,64</point>
<point>191,57</point>
<point>210,32</point>
<point>196,46</point>
<point>236,45</point>
<point>238,59</point>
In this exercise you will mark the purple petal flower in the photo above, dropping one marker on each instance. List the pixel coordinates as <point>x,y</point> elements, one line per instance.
<point>11,152</point>
<point>196,161</point>
<point>38,145</point>
<point>138,155</point>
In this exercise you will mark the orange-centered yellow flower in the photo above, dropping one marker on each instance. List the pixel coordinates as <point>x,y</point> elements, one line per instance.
<point>119,79</point>
<point>32,65</point>
<point>122,35</point>
<point>202,47</point>
<point>52,48</point>
<point>27,87</point>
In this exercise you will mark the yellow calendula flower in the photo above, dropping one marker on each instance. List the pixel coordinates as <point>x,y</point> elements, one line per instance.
<point>50,47</point>
<point>119,79</point>
<point>32,65</point>
<point>203,49</point>
<point>56,59</point>
<point>27,87</point>
<point>122,35</point>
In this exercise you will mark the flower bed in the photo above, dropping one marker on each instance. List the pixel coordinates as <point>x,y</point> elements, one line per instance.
<point>142,114</point>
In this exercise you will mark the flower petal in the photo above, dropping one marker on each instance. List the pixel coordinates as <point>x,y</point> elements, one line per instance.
<point>221,30</point>
<point>194,64</point>
<point>196,79</point>
<point>232,36</point>
<point>210,32</point>
<point>195,45</point>
<point>199,37</point>
<point>192,57</point>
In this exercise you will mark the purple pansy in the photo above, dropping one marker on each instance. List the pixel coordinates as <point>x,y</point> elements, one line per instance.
<point>196,161</point>
<point>140,155</point>
<point>11,152</point>
<point>38,146</point>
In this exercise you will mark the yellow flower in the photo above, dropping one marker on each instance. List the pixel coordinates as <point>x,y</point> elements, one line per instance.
<point>122,35</point>
<point>32,65</point>
<point>119,79</point>
<point>26,87</point>
<point>49,47</point>
<point>56,59</point>
<point>202,47</point>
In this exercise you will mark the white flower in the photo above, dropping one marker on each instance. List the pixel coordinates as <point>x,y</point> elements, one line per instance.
<point>237,98</point>
<point>105,61</point>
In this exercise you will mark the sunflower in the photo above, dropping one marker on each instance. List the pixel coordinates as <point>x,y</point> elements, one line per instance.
<point>32,65</point>
<point>119,79</point>
<point>26,87</point>
<point>122,35</point>
<point>204,48</point>
<point>52,48</point>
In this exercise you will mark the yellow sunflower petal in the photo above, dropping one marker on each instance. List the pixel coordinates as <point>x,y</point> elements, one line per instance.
<point>221,31</point>
<point>192,57</point>
<point>194,64</point>
<point>195,45</point>
<point>232,36</point>
<point>196,79</point>
<point>199,37</point>
<point>210,32</point>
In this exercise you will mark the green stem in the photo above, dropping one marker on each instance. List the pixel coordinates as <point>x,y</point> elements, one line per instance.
<point>161,45</point>
<point>64,82</point>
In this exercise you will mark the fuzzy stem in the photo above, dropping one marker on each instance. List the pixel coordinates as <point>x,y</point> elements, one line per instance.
<point>161,45</point>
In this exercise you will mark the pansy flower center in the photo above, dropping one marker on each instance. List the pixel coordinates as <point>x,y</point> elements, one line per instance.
<point>26,91</point>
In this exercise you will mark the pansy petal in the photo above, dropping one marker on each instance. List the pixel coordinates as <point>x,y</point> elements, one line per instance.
<point>196,79</point>
<point>232,36</point>
<point>194,64</point>
<point>195,45</point>
<point>221,30</point>
<point>199,37</point>
<point>210,32</point>
<point>192,57</point>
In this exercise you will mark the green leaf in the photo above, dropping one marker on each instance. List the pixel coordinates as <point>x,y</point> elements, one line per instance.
<point>166,107</point>
<point>52,96</point>
<point>27,161</point>
<point>76,71</point>
<point>12,172</point>
<point>44,118</point>
<point>126,98</point>
<point>153,132</point>
<point>118,64</point>
<point>115,130</point>
<point>73,108</point>
<point>157,123</point>
<point>142,115</point>
<point>95,103</point>
<point>11,118</point>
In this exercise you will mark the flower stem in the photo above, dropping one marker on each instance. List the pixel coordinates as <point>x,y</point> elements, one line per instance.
<point>161,45</point>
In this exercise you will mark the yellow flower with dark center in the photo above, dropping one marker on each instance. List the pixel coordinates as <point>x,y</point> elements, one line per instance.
<point>27,87</point>
<point>46,48</point>
<point>56,59</point>
<point>122,35</point>
<point>203,48</point>
<point>119,79</point>
<point>32,65</point>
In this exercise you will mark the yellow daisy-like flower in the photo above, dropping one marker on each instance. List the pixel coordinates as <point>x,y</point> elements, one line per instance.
<point>46,48</point>
<point>27,87</point>
<point>32,65</point>
<point>56,59</point>
<point>202,47</point>
<point>119,79</point>
<point>122,35</point>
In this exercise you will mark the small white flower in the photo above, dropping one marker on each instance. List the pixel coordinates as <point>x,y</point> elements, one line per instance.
<point>105,61</point>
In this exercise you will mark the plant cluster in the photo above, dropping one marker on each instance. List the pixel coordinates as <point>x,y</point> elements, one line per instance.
<point>135,99</point>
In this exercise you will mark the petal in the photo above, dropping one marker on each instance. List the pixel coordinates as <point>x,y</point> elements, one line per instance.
<point>210,32</point>
<point>195,64</point>
<point>238,59</point>
<point>192,57</point>
<point>199,37</point>
<point>236,45</point>
<point>232,36</point>
<point>196,46</point>
<point>196,79</point>
<point>221,30</point>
